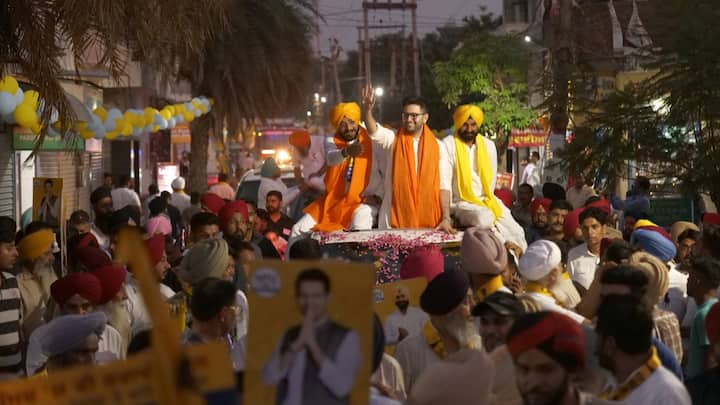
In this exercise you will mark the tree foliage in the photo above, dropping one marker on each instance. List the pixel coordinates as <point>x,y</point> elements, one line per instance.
<point>100,35</point>
<point>494,66</point>
<point>669,123</point>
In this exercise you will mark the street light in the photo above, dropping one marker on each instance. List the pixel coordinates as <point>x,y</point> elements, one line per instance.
<point>323,99</point>
<point>309,113</point>
<point>528,39</point>
<point>379,92</point>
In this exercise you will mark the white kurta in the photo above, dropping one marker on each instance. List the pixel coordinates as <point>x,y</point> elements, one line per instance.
<point>390,375</point>
<point>123,196</point>
<point>364,216</point>
<point>662,388</point>
<point>414,356</point>
<point>582,265</point>
<point>412,321</point>
<point>312,163</point>
<point>548,304</point>
<point>385,138</point>
<point>467,213</point>
<point>180,200</point>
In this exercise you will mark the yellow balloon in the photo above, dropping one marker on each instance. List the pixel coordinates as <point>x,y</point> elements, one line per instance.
<point>111,135</point>
<point>36,128</point>
<point>166,114</point>
<point>212,101</point>
<point>197,105</point>
<point>8,84</point>
<point>81,129</point>
<point>127,129</point>
<point>171,108</point>
<point>101,113</point>
<point>188,116</point>
<point>25,115</point>
<point>31,98</point>
<point>155,128</point>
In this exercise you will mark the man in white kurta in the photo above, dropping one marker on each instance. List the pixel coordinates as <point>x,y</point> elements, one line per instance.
<point>420,207</point>
<point>406,320</point>
<point>467,213</point>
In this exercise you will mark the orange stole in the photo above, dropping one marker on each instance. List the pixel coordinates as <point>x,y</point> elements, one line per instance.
<point>416,193</point>
<point>333,212</point>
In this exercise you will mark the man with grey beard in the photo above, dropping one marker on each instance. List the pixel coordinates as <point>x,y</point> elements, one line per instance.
<point>448,301</point>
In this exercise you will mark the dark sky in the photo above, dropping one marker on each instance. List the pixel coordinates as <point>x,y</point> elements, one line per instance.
<point>343,16</point>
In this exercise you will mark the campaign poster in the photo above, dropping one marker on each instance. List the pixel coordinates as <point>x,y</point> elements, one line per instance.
<point>47,200</point>
<point>398,306</point>
<point>309,333</point>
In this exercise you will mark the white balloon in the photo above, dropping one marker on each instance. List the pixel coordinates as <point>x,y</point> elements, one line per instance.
<point>7,103</point>
<point>148,128</point>
<point>136,132</point>
<point>171,123</point>
<point>9,118</point>
<point>19,96</point>
<point>179,119</point>
<point>51,132</point>
<point>114,114</point>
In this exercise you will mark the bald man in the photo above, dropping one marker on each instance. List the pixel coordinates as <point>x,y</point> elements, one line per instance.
<point>468,171</point>
<point>353,183</point>
<point>406,321</point>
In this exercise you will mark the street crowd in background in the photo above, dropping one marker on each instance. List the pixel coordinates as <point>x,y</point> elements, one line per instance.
<point>551,302</point>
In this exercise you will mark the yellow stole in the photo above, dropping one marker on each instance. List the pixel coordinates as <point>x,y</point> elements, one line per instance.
<point>532,286</point>
<point>433,339</point>
<point>488,288</point>
<point>464,176</point>
<point>635,380</point>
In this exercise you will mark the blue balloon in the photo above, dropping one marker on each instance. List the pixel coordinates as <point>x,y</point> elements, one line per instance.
<point>7,103</point>
<point>9,118</point>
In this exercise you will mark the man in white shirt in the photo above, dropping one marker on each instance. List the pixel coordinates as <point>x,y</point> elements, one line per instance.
<point>271,180</point>
<point>412,174</point>
<point>624,347</point>
<point>316,362</point>
<point>353,180</point>
<point>468,171</point>
<point>541,266</point>
<point>222,189</point>
<point>308,156</point>
<point>123,195</point>
<point>406,321</point>
<point>531,174</point>
<point>578,194</point>
<point>584,258</point>
<point>102,205</point>
<point>179,199</point>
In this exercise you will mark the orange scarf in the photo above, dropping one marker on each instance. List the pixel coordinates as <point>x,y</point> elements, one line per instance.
<point>334,211</point>
<point>416,193</point>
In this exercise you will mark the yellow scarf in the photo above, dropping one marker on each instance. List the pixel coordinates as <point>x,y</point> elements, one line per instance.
<point>532,286</point>
<point>635,380</point>
<point>464,176</point>
<point>488,288</point>
<point>433,339</point>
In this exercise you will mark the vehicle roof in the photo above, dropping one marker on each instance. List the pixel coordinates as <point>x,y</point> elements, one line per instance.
<point>254,175</point>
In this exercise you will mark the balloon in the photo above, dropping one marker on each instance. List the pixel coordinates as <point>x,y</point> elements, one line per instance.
<point>114,114</point>
<point>31,98</point>
<point>188,116</point>
<point>171,109</point>
<point>26,116</point>
<point>136,132</point>
<point>148,128</point>
<point>111,135</point>
<point>82,130</point>
<point>36,128</point>
<point>101,113</point>
<point>54,116</point>
<point>198,108</point>
<point>179,119</point>
<point>7,103</point>
<point>165,113</point>
<point>9,85</point>
<point>19,96</point>
<point>127,129</point>
<point>171,123</point>
<point>211,101</point>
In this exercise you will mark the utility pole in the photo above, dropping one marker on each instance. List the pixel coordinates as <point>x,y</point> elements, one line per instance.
<point>393,68</point>
<point>390,5</point>
<point>360,48</point>
<point>562,58</point>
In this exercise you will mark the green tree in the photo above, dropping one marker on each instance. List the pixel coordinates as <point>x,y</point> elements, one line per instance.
<point>495,67</point>
<point>258,68</point>
<point>669,123</point>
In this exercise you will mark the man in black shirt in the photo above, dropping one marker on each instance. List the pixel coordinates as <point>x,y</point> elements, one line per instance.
<point>277,221</point>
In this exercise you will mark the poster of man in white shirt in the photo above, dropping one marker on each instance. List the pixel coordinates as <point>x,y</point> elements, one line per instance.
<point>407,319</point>
<point>317,348</point>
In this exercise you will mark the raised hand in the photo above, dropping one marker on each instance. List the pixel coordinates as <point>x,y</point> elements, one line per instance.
<point>368,98</point>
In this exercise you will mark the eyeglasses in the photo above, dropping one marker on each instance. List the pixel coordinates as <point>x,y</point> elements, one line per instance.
<point>413,116</point>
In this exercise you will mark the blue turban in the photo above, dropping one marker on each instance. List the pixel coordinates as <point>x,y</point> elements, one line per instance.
<point>269,168</point>
<point>654,243</point>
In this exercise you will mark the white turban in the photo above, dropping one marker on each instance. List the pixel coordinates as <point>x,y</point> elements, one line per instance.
<point>69,332</point>
<point>539,259</point>
<point>178,184</point>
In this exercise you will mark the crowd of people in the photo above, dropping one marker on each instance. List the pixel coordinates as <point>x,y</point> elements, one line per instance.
<point>550,302</point>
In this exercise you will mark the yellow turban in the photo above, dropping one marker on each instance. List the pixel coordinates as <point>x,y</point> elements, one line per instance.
<point>463,112</point>
<point>342,110</point>
<point>34,245</point>
<point>299,139</point>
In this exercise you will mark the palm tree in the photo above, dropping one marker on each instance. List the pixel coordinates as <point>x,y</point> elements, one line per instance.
<point>101,35</point>
<point>257,68</point>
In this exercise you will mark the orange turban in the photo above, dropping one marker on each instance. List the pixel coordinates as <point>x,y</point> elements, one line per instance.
<point>342,110</point>
<point>36,244</point>
<point>463,112</point>
<point>300,139</point>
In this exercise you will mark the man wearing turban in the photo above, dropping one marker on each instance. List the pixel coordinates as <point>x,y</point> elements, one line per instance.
<point>412,173</point>
<point>352,181</point>
<point>308,156</point>
<point>468,170</point>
